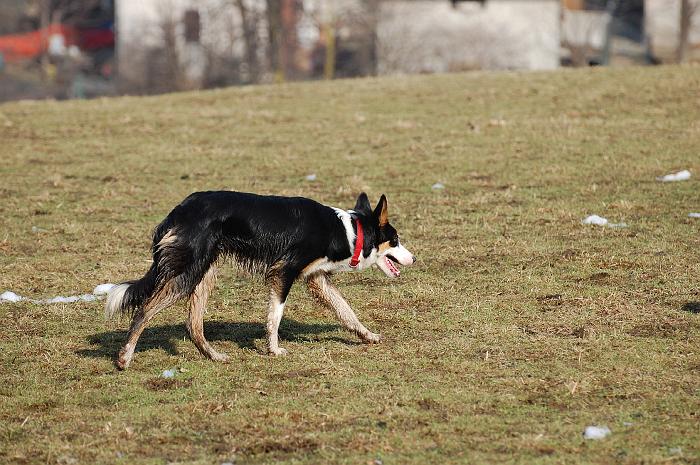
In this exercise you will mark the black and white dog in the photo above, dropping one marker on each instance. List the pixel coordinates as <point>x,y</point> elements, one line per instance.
<point>281,238</point>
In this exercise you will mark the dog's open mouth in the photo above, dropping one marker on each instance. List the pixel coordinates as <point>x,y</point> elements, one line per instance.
<point>389,262</point>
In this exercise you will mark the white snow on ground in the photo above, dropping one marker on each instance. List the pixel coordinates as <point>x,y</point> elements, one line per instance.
<point>67,300</point>
<point>437,186</point>
<point>693,215</point>
<point>596,220</point>
<point>9,296</point>
<point>103,289</point>
<point>596,432</point>
<point>600,221</point>
<point>680,176</point>
<point>99,291</point>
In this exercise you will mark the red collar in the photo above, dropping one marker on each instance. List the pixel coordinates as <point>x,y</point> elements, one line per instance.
<point>359,243</point>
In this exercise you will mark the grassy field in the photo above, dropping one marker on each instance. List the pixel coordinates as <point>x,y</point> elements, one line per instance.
<point>517,328</point>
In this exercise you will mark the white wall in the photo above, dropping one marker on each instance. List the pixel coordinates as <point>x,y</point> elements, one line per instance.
<point>431,36</point>
<point>662,26</point>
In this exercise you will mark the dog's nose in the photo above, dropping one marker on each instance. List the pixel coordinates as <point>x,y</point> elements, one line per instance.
<point>414,259</point>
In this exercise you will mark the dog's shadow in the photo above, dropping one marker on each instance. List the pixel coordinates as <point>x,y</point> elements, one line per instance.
<point>243,334</point>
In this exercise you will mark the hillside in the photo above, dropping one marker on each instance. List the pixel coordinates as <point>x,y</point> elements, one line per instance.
<point>517,328</point>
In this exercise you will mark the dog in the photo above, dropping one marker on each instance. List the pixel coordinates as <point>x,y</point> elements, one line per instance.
<point>282,239</point>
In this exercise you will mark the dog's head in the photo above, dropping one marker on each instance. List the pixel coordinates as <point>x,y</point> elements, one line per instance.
<point>381,237</point>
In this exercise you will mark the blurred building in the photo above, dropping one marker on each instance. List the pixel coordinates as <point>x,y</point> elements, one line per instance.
<point>609,32</point>
<point>66,48</point>
<point>180,44</point>
<point>428,36</point>
<point>663,22</point>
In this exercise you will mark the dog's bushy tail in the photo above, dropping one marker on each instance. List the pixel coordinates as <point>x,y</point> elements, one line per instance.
<point>127,296</point>
<point>130,295</point>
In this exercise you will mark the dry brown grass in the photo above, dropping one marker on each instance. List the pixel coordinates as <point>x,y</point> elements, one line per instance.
<point>517,328</point>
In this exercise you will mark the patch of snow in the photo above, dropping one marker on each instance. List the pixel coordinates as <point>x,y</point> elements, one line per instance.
<point>437,186</point>
<point>311,177</point>
<point>98,292</point>
<point>596,220</point>
<point>103,289</point>
<point>169,373</point>
<point>596,432</point>
<point>679,176</point>
<point>61,300</point>
<point>9,296</point>
<point>693,215</point>
<point>600,221</point>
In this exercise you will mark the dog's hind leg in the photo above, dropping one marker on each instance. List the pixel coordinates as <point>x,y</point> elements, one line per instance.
<point>280,280</point>
<point>327,294</point>
<point>195,322</point>
<point>167,296</point>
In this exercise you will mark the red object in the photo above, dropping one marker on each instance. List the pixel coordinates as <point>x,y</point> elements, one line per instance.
<point>95,39</point>
<point>16,47</point>
<point>359,243</point>
<point>32,44</point>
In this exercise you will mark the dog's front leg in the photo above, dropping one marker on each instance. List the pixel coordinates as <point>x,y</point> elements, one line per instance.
<point>274,316</point>
<point>321,288</point>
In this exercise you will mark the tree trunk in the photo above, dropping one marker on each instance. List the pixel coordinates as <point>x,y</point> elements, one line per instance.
<point>250,37</point>
<point>274,30</point>
<point>372,8</point>
<point>686,15</point>
<point>289,41</point>
<point>171,56</point>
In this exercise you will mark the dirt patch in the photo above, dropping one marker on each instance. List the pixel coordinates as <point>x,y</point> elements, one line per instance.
<point>286,445</point>
<point>691,307</point>
<point>663,329</point>
<point>165,384</point>
<point>428,404</point>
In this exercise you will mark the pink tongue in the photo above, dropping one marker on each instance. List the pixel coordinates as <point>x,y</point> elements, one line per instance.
<point>391,266</point>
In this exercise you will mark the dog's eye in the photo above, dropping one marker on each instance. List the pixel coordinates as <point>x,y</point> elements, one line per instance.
<point>394,241</point>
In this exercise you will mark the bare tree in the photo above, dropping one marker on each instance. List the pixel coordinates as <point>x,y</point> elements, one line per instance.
<point>688,9</point>
<point>168,28</point>
<point>372,9</point>
<point>274,30</point>
<point>250,25</point>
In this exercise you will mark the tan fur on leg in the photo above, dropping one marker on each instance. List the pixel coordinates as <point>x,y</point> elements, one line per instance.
<point>321,288</point>
<point>195,322</point>
<point>274,316</point>
<point>275,309</point>
<point>163,299</point>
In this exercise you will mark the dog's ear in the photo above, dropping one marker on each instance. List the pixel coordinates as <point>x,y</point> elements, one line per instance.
<point>362,204</point>
<point>381,212</point>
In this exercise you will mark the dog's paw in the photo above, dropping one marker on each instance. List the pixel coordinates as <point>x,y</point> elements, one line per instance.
<point>124,357</point>
<point>219,357</point>
<point>278,352</point>
<point>371,338</point>
<point>122,363</point>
